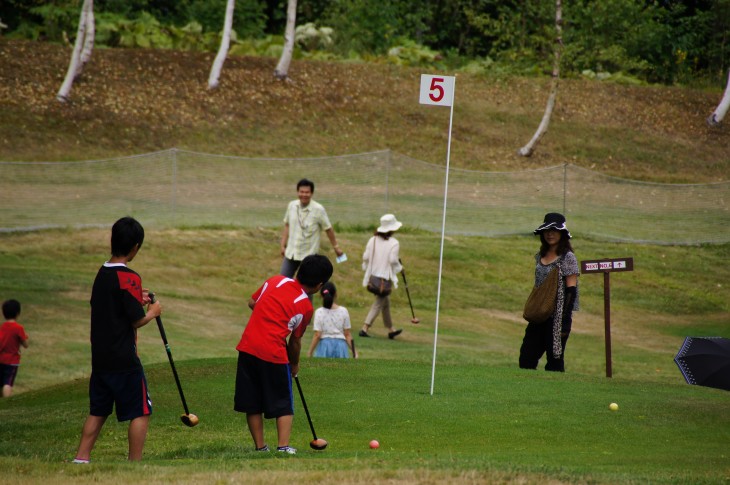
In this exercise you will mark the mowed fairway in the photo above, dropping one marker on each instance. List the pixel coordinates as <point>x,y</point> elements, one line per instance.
<point>487,421</point>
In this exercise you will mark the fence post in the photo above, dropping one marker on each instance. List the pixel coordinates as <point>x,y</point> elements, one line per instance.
<point>174,185</point>
<point>387,179</point>
<point>565,185</point>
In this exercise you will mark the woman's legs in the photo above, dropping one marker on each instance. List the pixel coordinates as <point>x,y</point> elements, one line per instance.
<point>381,303</point>
<point>533,346</point>
<point>385,308</point>
<point>538,340</point>
<point>372,314</point>
<point>556,364</point>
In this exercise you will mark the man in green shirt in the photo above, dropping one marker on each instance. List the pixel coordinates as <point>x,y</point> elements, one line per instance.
<point>303,222</point>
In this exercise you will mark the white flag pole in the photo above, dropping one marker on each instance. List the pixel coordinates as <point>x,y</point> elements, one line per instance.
<point>439,91</point>
<point>443,232</point>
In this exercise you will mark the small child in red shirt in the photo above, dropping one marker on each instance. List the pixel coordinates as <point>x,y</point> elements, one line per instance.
<point>12,336</point>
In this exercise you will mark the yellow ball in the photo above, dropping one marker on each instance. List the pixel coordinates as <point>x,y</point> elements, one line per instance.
<point>613,406</point>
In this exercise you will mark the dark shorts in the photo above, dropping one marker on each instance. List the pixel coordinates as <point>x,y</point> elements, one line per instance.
<point>263,387</point>
<point>127,391</point>
<point>7,374</point>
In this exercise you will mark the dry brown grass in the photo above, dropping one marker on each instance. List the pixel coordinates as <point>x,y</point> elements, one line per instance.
<point>133,101</point>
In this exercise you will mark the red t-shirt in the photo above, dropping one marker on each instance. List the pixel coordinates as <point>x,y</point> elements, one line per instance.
<point>11,334</point>
<point>282,308</point>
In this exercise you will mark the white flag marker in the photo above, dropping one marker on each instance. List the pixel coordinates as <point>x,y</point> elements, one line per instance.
<point>439,91</point>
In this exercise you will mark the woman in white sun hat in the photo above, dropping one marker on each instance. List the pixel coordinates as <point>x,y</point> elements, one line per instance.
<point>381,265</point>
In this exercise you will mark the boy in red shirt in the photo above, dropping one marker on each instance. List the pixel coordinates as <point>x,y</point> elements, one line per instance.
<point>12,336</point>
<point>266,361</point>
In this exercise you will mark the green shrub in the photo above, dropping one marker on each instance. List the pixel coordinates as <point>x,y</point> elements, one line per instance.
<point>57,22</point>
<point>310,38</point>
<point>409,53</point>
<point>268,46</point>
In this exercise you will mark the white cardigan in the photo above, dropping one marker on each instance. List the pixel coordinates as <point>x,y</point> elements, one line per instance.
<point>384,262</point>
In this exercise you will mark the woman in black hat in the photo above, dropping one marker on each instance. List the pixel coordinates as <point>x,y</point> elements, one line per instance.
<point>549,337</point>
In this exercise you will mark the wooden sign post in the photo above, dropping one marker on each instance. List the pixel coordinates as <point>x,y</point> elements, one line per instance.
<point>607,266</point>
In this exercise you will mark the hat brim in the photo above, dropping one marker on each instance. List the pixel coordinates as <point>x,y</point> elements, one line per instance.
<point>390,227</point>
<point>552,225</point>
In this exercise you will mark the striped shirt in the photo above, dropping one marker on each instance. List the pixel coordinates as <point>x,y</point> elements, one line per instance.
<point>305,225</point>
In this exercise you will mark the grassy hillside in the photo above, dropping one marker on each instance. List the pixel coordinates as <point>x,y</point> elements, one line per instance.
<point>132,101</point>
<point>203,278</point>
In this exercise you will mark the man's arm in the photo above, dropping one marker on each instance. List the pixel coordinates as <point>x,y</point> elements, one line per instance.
<point>333,240</point>
<point>293,349</point>
<point>284,238</point>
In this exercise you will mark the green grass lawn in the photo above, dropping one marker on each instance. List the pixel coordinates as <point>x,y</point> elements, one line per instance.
<point>486,422</point>
<point>482,424</point>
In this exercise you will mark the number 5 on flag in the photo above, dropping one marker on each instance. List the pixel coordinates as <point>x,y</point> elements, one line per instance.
<point>437,90</point>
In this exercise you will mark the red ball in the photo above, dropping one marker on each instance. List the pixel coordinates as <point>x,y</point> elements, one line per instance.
<point>374,444</point>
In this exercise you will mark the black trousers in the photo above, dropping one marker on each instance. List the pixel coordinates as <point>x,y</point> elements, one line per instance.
<point>538,340</point>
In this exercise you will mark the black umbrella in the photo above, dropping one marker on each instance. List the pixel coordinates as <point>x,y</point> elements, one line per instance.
<point>705,361</point>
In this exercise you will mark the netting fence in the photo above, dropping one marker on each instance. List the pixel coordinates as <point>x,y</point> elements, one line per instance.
<point>175,188</point>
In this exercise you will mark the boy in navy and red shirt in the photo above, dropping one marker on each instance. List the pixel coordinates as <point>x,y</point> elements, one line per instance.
<point>266,360</point>
<point>117,377</point>
<point>12,337</point>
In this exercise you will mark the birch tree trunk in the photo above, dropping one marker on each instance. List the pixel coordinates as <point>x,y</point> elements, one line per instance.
<point>529,149</point>
<point>82,49</point>
<point>721,110</point>
<point>215,71</point>
<point>282,68</point>
<point>89,38</point>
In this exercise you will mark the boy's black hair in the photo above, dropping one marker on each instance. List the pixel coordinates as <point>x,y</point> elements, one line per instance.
<point>126,233</point>
<point>314,269</point>
<point>11,309</point>
<point>305,183</point>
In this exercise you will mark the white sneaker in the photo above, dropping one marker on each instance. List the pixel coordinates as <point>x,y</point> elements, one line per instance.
<point>287,449</point>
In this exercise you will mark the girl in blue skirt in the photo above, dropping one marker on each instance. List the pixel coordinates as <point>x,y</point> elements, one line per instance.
<point>332,336</point>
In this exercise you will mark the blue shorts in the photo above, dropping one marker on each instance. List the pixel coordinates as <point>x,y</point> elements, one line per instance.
<point>127,391</point>
<point>333,348</point>
<point>263,387</point>
<point>7,374</point>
